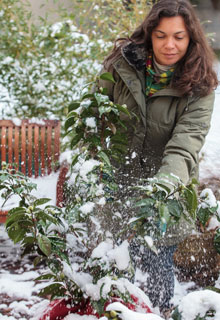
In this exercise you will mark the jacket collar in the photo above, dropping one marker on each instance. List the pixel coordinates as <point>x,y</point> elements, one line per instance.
<point>135,55</point>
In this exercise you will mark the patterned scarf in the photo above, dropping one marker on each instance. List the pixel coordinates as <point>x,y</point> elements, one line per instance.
<point>155,81</point>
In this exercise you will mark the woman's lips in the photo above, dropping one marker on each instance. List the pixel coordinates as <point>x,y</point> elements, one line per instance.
<point>169,55</point>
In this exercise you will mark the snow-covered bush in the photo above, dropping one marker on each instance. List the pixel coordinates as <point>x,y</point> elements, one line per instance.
<point>107,19</point>
<point>41,68</point>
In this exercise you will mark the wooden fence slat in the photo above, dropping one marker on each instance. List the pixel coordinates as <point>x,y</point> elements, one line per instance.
<point>10,147</point>
<point>36,151</point>
<point>42,150</point>
<point>56,143</point>
<point>30,152</point>
<point>16,146</point>
<point>3,144</point>
<point>49,149</point>
<point>23,148</point>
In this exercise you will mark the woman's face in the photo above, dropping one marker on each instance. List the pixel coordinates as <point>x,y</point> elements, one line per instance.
<point>170,40</point>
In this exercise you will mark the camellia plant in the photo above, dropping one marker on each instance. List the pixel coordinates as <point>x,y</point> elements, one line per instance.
<point>87,263</point>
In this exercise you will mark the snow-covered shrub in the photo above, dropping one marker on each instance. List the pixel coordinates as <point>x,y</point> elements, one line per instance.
<point>41,68</point>
<point>107,19</point>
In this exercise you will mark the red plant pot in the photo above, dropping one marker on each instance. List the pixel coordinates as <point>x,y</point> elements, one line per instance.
<point>58,309</point>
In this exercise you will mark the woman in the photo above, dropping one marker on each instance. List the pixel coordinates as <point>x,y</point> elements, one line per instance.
<point>164,74</point>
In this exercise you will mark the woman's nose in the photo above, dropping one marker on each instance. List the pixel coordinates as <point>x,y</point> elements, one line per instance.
<point>169,43</point>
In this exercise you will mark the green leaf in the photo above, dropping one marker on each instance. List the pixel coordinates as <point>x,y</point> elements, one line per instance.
<point>69,122</point>
<point>103,110</point>
<point>87,96</point>
<point>29,240</point>
<point>123,110</point>
<point>37,260</point>
<point>103,156</point>
<point>3,177</point>
<point>203,215</point>
<point>145,202</point>
<point>75,159</point>
<point>176,315</point>
<point>54,289</point>
<point>76,139</point>
<point>72,115</point>
<point>194,181</point>
<point>17,210</point>
<point>16,217</point>
<point>41,201</point>
<point>101,98</point>
<point>213,289</point>
<point>164,187</point>
<point>16,234</point>
<point>119,139</point>
<point>42,215</point>
<point>73,106</point>
<point>191,201</point>
<point>45,277</point>
<point>146,212</point>
<point>99,305</point>
<point>44,244</point>
<point>107,76</point>
<point>175,208</point>
<point>164,213</point>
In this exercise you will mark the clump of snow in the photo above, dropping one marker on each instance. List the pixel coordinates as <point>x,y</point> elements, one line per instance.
<point>87,207</point>
<point>133,155</point>
<point>121,255</point>
<point>7,60</point>
<point>181,290</point>
<point>91,122</point>
<point>213,224</point>
<point>67,156</point>
<point>209,197</point>
<point>16,121</point>
<point>102,201</point>
<point>102,249</point>
<point>37,120</point>
<point>198,303</point>
<point>78,317</point>
<point>149,241</point>
<point>126,314</point>
<point>87,167</point>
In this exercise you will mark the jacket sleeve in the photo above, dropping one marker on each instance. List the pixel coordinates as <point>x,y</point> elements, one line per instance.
<point>181,155</point>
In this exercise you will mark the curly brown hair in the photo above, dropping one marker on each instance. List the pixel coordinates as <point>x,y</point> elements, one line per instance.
<point>195,72</point>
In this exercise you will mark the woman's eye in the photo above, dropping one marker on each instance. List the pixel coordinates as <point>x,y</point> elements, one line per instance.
<point>178,38</point>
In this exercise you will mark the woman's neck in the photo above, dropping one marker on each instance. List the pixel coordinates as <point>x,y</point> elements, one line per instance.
<point>159,68</point>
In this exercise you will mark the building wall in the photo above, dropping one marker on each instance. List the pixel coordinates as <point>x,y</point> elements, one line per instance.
<point>41,8</point>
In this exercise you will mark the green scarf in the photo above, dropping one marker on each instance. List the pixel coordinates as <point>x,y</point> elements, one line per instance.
<point>155,81</point>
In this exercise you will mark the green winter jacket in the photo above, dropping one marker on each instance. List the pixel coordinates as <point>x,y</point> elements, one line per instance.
<point>168,132</point>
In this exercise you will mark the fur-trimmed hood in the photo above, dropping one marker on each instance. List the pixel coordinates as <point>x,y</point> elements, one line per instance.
<point>135,55</point>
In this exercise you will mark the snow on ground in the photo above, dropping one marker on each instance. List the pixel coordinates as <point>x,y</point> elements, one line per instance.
<point>210,163</point>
